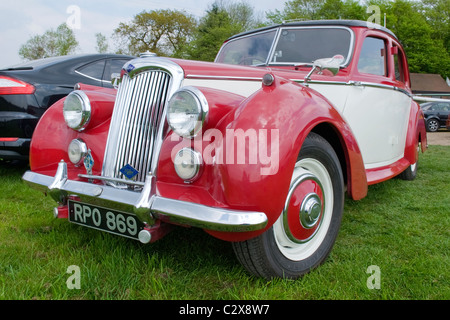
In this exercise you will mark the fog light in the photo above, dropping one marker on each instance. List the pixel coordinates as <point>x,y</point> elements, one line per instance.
<point>77,151</point>
<point>188,163</point>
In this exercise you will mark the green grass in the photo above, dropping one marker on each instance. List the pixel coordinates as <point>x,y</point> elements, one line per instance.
<point>402,227</point>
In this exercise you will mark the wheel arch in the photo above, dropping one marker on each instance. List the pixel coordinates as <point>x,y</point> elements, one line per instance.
<point>345,147</point>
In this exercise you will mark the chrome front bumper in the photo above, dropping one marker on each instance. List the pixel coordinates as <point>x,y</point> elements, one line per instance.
<point>146,205</point>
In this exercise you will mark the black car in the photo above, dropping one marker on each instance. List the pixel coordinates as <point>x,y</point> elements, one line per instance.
<point>28,89</point>
<point>436,114</point>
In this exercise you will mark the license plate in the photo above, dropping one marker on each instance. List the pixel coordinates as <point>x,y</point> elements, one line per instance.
<point>116,222</point>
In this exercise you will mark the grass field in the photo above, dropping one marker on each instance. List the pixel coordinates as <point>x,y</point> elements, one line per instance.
<point>402,228</point>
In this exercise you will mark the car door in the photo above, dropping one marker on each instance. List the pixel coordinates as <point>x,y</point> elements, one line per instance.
<point>378,106</point>
<point>443,109</point>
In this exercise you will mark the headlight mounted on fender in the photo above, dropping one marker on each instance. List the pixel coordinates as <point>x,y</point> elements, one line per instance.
<point>187,112</point>
<point>77,110</point>
<point>77,151</point>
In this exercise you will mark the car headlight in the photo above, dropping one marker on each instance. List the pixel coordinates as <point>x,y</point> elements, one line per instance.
<point>77,151</point>
<point>188,163</point>
<point>77,110</point>
<point>187,112</point>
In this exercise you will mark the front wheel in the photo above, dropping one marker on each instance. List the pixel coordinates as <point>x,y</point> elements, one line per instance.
<point>306,230</point>
<point>433,125</point>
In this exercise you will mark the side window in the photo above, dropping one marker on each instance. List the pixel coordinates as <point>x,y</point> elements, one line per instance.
<point>93,70</point>
<point>113,66</point>
<point>398,65</point>
<point>442,107</point>
<point>373,57</point>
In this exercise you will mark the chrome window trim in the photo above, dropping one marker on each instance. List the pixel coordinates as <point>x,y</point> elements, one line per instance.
<point>208,77</point>
<point>86,76</point>
<point>357,84</point>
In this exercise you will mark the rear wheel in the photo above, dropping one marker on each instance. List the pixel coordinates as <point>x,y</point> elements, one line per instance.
<point>306,230</point>
<point>411,172</point>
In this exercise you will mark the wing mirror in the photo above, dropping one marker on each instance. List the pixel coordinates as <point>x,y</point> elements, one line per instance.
<point>331,64</point>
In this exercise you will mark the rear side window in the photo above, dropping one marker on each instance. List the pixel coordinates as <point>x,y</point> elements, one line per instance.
<point>441,107</point>
<point>93,70</point>
<point>113,66</point>
<point>372,59</point>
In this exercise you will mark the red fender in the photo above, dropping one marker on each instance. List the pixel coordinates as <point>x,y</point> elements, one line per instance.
<point>46,152</point>
<point>416,132</point>
<point>286,112</point>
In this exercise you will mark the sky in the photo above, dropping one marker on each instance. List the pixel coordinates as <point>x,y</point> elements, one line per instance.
<point>22,19</point>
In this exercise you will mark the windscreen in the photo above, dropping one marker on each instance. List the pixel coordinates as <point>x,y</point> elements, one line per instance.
<point>296,45</point>
<point>305,45</point>
<point>249,50</point>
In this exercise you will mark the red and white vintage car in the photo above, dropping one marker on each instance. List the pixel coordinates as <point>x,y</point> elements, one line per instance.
<point>258,148</point>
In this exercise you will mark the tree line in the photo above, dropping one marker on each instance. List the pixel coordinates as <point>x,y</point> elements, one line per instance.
<point>421,26</point>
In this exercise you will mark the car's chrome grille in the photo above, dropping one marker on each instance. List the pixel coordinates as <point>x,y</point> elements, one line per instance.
<point>138,112</point>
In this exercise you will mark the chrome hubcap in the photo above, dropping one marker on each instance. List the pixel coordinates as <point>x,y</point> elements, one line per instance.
<point>310,210</point>
<point>306,217</point>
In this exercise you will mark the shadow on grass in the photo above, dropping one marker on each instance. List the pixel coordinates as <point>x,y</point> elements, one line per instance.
<point>13,168</point>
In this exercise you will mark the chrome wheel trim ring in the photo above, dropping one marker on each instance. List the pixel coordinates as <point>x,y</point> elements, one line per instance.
<point>292,248</point>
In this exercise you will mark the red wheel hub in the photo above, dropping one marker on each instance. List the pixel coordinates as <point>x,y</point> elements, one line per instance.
<point>304,208</point>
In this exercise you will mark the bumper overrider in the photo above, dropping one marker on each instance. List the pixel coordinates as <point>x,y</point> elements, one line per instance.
<point>146,205</point>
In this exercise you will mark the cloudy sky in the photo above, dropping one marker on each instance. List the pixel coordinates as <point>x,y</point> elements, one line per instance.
<point>22,19</point>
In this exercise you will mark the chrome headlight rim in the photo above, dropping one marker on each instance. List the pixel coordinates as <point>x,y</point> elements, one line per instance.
<point>82,149</point>
<point>85,110</point>
<point>202,108</point>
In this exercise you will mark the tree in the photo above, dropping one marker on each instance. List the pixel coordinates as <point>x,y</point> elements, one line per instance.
<point>317,10</point>
<point>425,51</point>
<point>438,16</point>
<point>297,10</point>
<point>222,20</point>
<point>214,28</point>
<point>164,32</point>
<point>241,15</point>
<point>102,43</point>
<point>52,43</point>
<point>422,27</point>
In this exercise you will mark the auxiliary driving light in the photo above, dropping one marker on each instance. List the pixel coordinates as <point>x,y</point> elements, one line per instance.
<point>77,151</point>
<point>188,163</point>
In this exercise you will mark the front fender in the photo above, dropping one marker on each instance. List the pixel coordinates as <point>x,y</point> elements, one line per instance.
<point>52,136</point>
<point>258,147</point>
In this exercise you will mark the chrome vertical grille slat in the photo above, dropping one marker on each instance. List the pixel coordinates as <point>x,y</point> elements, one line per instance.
<point>135,123</point>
